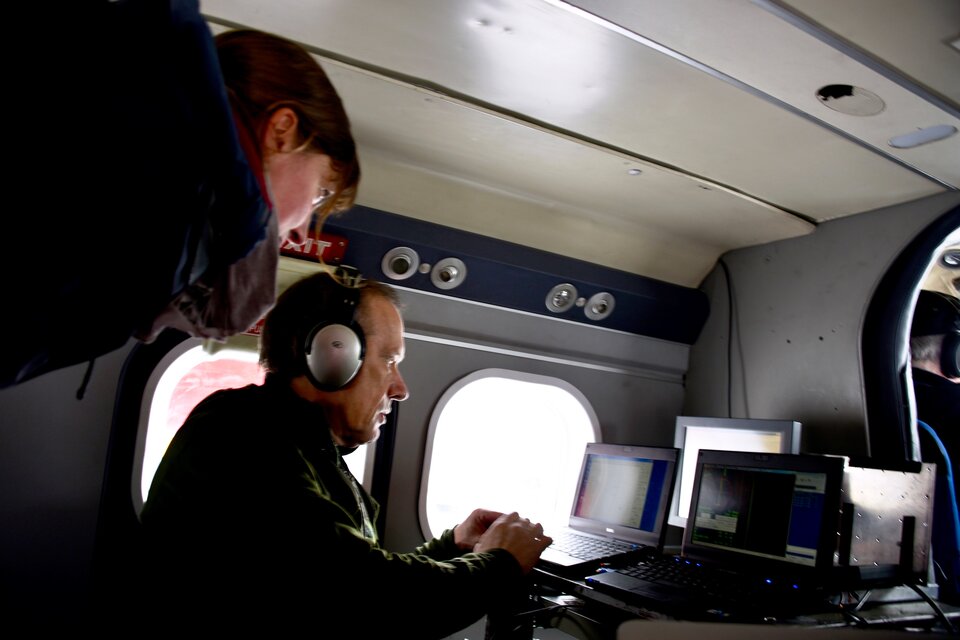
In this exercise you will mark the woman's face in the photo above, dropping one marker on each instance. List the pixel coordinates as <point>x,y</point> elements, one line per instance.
<point>297,180</point>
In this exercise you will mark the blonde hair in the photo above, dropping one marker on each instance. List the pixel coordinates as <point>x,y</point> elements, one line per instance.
<point>263,73</point>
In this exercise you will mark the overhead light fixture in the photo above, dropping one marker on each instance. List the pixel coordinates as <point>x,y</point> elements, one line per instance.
<point>400,263</point>
<point>448,273</point>
<point>922,136</point>
<point>851,100</point>
<point>599,306</point>
<point>561,298</point>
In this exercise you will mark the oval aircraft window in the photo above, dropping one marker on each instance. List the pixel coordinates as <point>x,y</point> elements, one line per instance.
<point>187,380</point>
<point>507,441</point>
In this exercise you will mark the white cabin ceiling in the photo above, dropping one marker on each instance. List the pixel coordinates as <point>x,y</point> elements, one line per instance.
<point>519,119</point>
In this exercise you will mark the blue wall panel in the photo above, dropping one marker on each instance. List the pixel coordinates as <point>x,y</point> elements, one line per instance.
<point>517,277</point>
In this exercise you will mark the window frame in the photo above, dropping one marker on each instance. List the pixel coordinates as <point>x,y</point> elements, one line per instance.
<point>462,382</point>
<point>884,345</point>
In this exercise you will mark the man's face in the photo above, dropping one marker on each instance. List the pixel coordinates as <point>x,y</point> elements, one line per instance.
<point>357,411</point>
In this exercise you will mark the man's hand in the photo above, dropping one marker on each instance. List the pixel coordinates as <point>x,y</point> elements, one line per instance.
<point>523,539</point>
<point>467,534</point>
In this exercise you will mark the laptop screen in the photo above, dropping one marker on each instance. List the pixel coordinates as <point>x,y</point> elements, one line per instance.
<point>766,510</point>
<point>625,491</point>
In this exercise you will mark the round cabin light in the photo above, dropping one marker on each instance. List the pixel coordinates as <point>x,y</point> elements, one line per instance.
<point>561,298</point>
<point>448,273</point>
<point>853,101</point>
<point>599,306</point>
<point>400,263</point>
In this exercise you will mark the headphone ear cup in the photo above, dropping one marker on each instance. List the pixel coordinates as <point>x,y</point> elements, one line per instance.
<point>950,355</point>
<point>334,354</point>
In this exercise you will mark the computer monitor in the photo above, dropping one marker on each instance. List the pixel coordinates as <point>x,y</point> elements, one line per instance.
<point>694,433</point>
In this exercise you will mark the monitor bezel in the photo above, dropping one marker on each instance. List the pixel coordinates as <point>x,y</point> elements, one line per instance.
<point>639,536</point>
<point>833,466</point>
<point>789,430</point>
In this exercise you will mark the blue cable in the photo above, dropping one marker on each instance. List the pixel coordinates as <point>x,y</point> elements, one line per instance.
<point>951,562</point>
<point>948,467</point>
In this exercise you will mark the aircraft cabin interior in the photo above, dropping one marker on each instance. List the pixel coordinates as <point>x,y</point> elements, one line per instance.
<point>688,233</point>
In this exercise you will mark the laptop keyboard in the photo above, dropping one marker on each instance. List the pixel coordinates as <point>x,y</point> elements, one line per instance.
<point>683,580</point>
<point>587,548</point>
<point>689,575</point>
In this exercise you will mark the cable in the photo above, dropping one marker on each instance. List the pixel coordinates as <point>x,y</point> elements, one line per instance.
<point>856,618</point>
<point>860,621</point>
<point>852,612</point>
<point>946,541</point>
<point>726,274</point>
<point>936,609</point>
<point>519,622</point>
<point>577,618</point>
<point>86,380</point>
<point>862,600</point>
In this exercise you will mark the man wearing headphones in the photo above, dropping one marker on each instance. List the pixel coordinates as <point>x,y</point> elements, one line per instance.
<point>934,353</point>
<point>253,517</point>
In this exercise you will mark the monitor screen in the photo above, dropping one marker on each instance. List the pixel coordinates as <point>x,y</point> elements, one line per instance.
<point>768,513</point>
<point>624,491</point>
<point>774,513</point>
<point>725,434</point>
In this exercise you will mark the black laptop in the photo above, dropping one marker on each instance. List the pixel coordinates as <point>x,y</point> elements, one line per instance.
<point>761,533</point>
<point>619,509</point>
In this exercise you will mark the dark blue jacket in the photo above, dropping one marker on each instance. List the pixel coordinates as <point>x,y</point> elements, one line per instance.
<point>126,161</point>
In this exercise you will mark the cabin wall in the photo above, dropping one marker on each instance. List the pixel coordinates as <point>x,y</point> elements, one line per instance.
<point>798,311</point>
<point>633,383</point>
<point>53,450</point>
<point>629,364</point>
<point>54,447</point>
<point>789,295</point>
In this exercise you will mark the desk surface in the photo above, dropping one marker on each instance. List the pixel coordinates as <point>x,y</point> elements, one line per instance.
<point>601,615</point>
<point>679,630</point>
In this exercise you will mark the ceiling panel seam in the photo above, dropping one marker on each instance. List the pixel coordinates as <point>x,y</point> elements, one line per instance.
<point>773,100</point>
<point>476,104</point>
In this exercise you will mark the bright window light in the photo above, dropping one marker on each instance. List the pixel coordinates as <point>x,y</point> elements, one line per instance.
<point>507,441</point>
<point>189,379</point>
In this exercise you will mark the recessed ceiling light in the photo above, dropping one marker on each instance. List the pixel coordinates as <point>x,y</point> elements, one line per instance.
<point>561,298</point>
<point>599,306</point>
<point>449,273</point>
<point>853,101</point>
<point>634,172</point>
